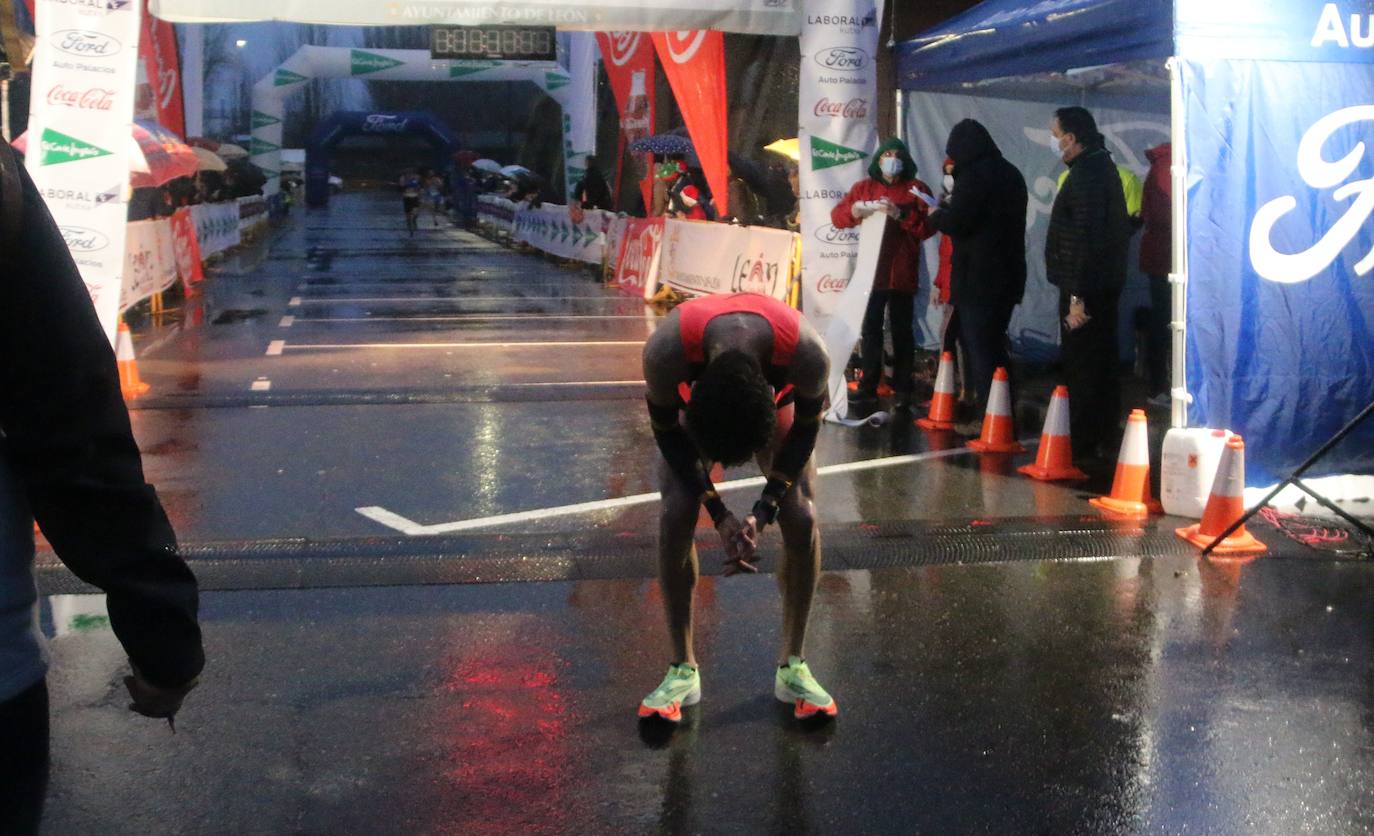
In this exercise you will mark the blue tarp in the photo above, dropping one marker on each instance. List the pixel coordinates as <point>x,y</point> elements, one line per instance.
<point>1001,38</point>
<point>1280,228</point>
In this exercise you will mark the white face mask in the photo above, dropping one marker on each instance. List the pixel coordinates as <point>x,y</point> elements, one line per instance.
<point>949,182</point>
<point>891,166</point>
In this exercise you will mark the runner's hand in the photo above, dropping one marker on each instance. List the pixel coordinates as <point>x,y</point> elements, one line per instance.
<point>738,550</point>
<point>152,701</point>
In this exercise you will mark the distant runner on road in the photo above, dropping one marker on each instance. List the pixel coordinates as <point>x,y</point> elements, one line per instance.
<point>732,378</point>
<point>410,199</point>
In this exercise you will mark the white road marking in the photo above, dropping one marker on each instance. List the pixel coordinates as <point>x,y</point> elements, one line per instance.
<point>294,303</point>
<point>275,347</point>
<point>414,529</point>
<point>286,322</point>
<point>423,346</point>
<point>262,384</point>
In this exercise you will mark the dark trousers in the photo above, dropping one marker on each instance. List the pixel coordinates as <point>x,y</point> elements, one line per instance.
<point>983,331</point>
<point>1091,365</point>
<point>901,309</point>
<point>23,760</point>
<point>1160,340</point>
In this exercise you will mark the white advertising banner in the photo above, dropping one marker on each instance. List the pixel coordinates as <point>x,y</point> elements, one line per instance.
<point>80,120</point>
<point>217,226</point>
<point>844,326</point>
<point>551,229</point>
<point>496,211</point>
<point>579,108</point>
<point>150,264</point>
<point>252,214</point>
<point>759,17</point>
<point>836,117</point>
<point>702,258</point>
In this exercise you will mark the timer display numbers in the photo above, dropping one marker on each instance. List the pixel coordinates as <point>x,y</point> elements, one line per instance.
<point>506,43</point>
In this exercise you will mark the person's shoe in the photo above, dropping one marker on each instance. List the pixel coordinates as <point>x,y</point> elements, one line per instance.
<point>794,684</point>
<point>681,687</point>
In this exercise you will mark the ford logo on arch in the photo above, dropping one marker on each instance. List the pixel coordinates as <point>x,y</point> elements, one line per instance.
<point>828,234</point>
<point>82,240</point>
<point>842,58</point>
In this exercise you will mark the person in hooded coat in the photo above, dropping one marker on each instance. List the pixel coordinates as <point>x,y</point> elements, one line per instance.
<point>890,189</point>
<point>985,217</point>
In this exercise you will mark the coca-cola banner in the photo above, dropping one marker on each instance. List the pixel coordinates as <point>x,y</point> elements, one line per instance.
<point>157,48</point>
<point>694,63</point>
<point>187,247</point>
<point>150,264</point>
<point>80,116</point>
<point>551,228</point>
<point>629,61</point>
<point>637,265</point>
<point>703,258</point>
<point>838,132</point>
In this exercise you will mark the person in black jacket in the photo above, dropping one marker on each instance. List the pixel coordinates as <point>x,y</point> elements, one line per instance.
<point>985,217</point>
<point>1085,257</point>
<point>68,460</point>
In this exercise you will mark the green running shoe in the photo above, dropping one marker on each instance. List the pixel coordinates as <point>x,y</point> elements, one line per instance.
<point>681,687</point>
<point>794,684</point>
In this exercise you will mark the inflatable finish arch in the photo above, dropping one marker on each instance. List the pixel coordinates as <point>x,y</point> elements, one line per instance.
<point>346,123</point>
<point>311,62</point>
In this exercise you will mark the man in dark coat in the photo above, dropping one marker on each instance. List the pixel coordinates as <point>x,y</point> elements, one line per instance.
<point>985,217</point>
<point>1085,257</point>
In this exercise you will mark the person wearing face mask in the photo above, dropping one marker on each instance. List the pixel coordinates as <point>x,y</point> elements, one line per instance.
<point>1085,257</point>
<point>889,189</point>
<point>985,217</point>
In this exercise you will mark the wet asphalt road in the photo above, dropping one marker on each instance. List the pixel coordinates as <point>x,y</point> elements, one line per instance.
<point>1130,695</point>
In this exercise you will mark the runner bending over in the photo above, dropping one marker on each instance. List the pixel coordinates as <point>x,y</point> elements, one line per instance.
<point>749,374</point>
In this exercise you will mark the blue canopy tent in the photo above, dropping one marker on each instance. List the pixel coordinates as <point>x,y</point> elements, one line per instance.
<point>1270,107</point>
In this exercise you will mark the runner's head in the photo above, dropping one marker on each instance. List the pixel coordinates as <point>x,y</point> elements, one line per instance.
<point>731,415</point>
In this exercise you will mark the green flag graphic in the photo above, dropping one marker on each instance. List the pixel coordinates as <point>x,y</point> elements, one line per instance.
<point>368,62</point>
<point>827,154</point>
<point>59,148</point>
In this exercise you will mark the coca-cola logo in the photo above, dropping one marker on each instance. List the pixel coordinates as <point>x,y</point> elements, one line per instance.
<point>842,58</point>
<point>82,240</point>
<point>852,109</point>
<point>384,123</point>
<point>828,234</point>
<point>624,45</point>
<point>683,46</point>
<point>85,44</point>
<point>831,284</point>
<point>92,98</point>
<point>166,86</point>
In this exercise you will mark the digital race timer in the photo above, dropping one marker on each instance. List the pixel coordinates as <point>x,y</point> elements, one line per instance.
<point>507,43</point>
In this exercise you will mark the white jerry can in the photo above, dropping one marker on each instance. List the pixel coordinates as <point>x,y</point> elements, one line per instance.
<point>1188,467</point>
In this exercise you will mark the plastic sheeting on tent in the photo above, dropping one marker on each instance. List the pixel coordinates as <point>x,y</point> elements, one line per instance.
<point>1001,38</point>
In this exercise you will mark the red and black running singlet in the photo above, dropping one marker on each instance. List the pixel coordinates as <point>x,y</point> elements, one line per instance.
<point>695,315</point>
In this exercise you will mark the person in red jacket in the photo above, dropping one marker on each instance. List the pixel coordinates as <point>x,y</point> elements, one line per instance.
<point>1156,261</point>
<point>890,189</point>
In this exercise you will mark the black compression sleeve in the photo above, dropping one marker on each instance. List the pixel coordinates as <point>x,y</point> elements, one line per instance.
<point>791,457</point>
<point>681,454</point>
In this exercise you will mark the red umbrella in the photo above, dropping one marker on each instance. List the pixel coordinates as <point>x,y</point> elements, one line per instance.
<point>156,155</point>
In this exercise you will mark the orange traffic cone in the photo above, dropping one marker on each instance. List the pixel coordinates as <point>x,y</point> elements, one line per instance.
<point>129,383</point>
<point>1225,505</point>
<point>1054,459</point>
<point>1130,495</point>
<point>941,416</point>
<point>998,436</point>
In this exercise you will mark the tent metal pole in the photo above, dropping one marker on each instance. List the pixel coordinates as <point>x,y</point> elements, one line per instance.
<point>1178,279</point>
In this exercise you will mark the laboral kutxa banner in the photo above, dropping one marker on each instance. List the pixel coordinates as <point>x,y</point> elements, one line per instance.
<point>836,114</point>
<point>80,116</point>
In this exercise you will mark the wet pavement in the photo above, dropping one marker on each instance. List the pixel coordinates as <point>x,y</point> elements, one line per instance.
<point>415,477</point>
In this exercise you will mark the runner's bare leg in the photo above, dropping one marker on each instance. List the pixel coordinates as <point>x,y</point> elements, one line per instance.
<point>677,561</point>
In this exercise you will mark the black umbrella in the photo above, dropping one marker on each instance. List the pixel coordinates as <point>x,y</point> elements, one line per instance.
<point>662,144</point>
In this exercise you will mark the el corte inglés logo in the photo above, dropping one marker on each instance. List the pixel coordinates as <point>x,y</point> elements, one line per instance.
<point>59,148</point>
<point>828,154</point>
<point>285,77</point>
<point>263,120</point>
<point>458,69</point>
<point>367,62</point>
